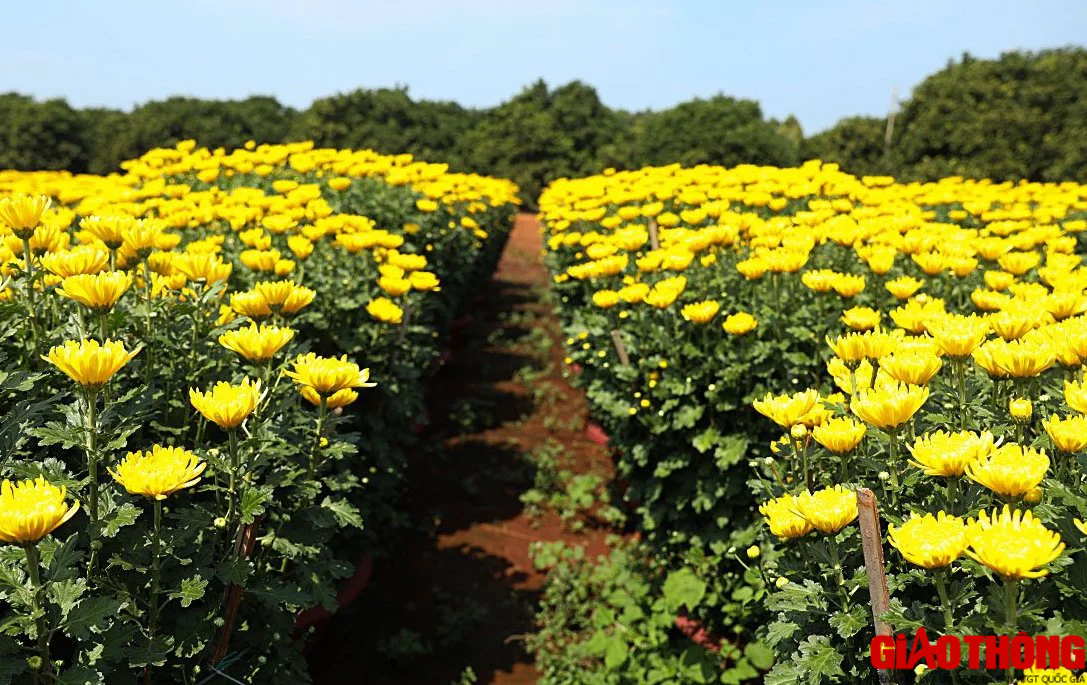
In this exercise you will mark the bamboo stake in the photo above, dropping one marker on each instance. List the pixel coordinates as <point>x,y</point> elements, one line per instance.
<point>243,548</point>
<point>654,237</point>
<point>620,348</point>
<point>872,544</point>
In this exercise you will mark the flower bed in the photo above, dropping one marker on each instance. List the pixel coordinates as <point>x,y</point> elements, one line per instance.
<point>688,295</point>
<point>253,329</point>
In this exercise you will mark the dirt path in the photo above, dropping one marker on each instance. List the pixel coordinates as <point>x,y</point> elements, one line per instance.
<point>460,588</point>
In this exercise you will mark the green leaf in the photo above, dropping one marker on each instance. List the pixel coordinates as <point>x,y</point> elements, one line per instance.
<point>743,671</point>
<point>849,623</point>
<point>190,591</point>
<point>79,675</point>
<point>66,593</point>
<point>88,615</point>
<point>616,654</point>
<point>818,659</point>
<point>683,588</point>
<point>252,504</point>
<point>64,558</point>
<point>780,631</point>
<point>346,514</point>
<point>114,521</point>
<point>760,656</point>
<point>783,673</point>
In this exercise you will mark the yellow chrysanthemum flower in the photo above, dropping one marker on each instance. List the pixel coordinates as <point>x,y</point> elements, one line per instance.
<point>83,259</point>
<point>99,291</point>
<point>958,336</point>
<point>829,509</point>
<point>384,309</point>
<point>89,363</point>
<point>930,541</point>
<point>1067,434</point>
<point>861,318</point>
<point>787,410</point>
<point>32,509</point>
<point>1013,544</point>
<point>781,516</point>
<point>1010,470</point>
<point>700,312</point>
<point>947,454</point>
<point>227,405</point>
<point>740,323</point>
<point>327,376</point>
<point>257,343</point>
<point>250,304</point>
<point>889,406</point>
<point>158,472</point>
<point>1075,395</point>
<point>912,367</point>
<point>23,213</point>
<point>340,398</point>
<point>839,435</point>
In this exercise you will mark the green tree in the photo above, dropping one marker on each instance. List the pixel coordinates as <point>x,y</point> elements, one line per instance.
<point>389,121</point>
<point>1021,116</point>
<point>720,130</point>
<point>40,135</point>
<point>855,143</point>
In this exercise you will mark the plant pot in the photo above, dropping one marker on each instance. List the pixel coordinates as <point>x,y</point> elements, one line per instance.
<point>697,633</point>
<point>352,587</point>
<point>596,433</point>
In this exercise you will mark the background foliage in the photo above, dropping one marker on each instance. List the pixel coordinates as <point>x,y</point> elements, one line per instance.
<point>1016,117</point>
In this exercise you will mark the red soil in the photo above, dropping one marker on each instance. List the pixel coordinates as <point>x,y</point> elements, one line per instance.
<point>471,535</point>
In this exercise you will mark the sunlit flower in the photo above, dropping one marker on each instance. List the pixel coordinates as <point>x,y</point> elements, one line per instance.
<point>23,213</point>
<point>89,363</point>
<point>740,323</point>
<point>861,318</point>
<point>700,312</point>
<point>914,367</point>
<point>839,435</point>
<point>227,405</point>
<point>947,454</point>
<point>930,541</point>
<point>1067,434</point>
<point>783,519</point>
<point>1012,544</point>
<point>99,291</point>
<point>787,410</point>
<point>327,376</point>
<point>32,509</point>
<point>829,509</point>
<point>158,472</point>
<point>1010,470</point>
<point>384,309</point>
<point>889,406</point>
<point>256,343</point>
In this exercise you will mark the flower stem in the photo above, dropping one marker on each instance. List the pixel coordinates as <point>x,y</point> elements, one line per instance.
<point>1011,614</point>
<point>945,603</point>
<point>835,560</point>
<point>960,378</point>
<point>156,572</point>
<point>892,465</point>
<point>321,415</point>
<point>32,313</point>
<point>33,567</point>
<point>231,506</point>
<point>91,448</point>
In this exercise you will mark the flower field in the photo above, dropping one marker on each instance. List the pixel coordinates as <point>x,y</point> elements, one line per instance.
<point>759,343</point>
<point>213,366</point>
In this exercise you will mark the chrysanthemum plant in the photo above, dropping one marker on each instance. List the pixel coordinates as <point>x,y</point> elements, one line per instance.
<point>148,324</point>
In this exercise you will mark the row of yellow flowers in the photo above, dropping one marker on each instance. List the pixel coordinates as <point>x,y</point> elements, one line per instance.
<point>182,306</point>
<point>963,297</point>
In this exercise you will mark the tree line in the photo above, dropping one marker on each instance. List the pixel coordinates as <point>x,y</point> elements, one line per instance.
<point>1016,117</point>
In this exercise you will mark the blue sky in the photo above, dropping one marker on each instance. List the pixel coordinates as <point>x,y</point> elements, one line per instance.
<point>817,60</point>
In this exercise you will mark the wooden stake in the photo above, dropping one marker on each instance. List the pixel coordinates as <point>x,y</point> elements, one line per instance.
<point>654,237</point>
<point>620,348</point>
<point>243,547</point>
<point>872,544</point>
